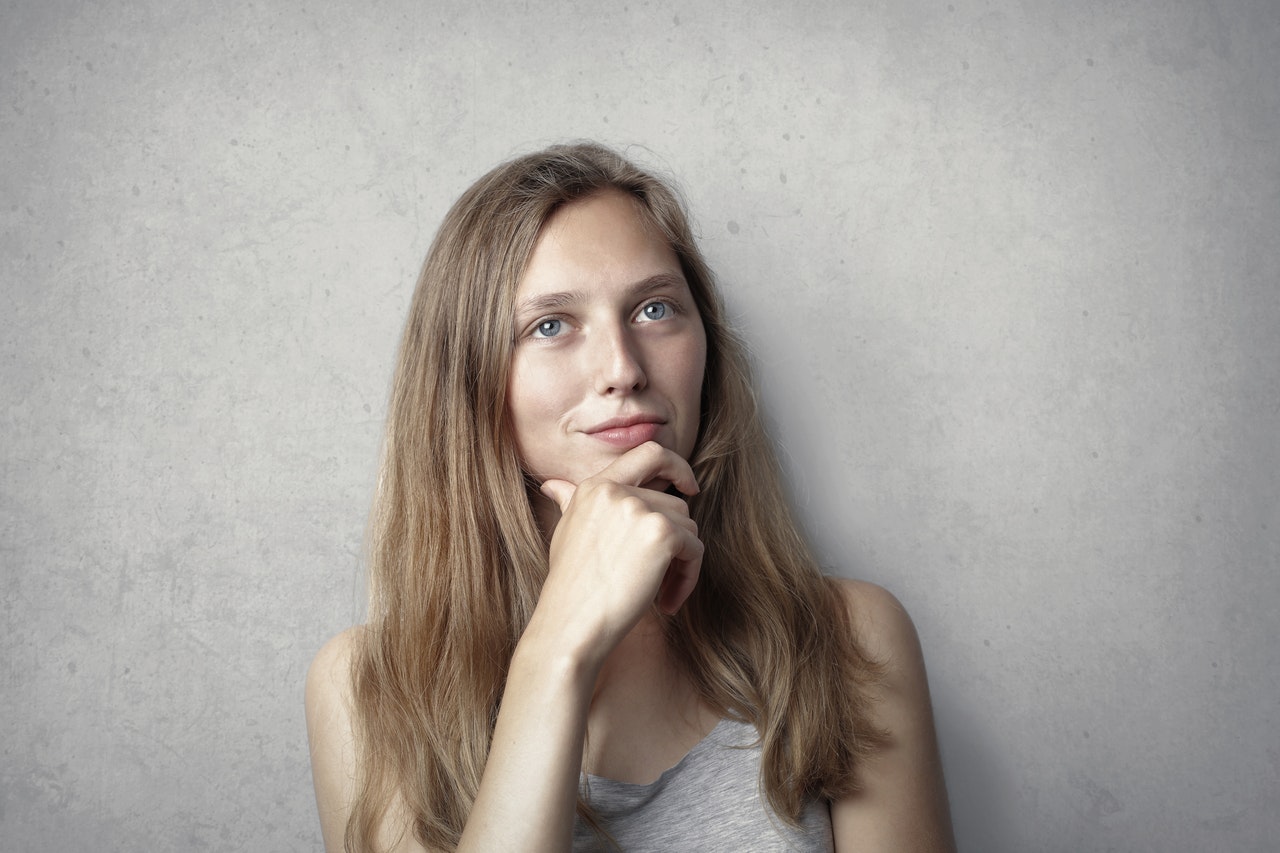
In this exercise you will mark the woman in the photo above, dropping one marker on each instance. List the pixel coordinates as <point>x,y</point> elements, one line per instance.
<point>587,591</point>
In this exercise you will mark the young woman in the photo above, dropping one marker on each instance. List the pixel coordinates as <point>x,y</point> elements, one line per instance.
<point>593,622</point>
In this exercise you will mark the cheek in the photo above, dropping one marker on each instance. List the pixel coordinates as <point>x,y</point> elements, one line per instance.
<point>691,391</point>
<point>698,356</point>
<point>532,408</point>
<point>693,383</point>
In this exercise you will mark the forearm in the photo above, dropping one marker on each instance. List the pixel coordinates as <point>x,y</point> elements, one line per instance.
<point>611,549</point>
<point>530,784</point>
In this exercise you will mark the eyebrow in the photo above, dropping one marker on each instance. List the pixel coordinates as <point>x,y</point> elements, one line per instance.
<point>545,302</point>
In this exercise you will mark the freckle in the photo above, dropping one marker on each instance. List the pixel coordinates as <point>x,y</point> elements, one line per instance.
<point>733,227</point>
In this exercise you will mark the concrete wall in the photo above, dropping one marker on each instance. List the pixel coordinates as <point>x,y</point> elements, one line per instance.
<point>1011,272</point>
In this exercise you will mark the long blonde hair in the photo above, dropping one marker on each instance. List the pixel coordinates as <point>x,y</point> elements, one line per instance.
<point>457,560</point>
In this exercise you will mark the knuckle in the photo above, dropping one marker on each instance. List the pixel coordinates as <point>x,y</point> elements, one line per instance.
<point>653,526</point>
<point>608,490</point>
<point>632,503</point>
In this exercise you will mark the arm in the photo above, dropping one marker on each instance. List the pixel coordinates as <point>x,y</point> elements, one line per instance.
<point>616,548</point>
<point>903,802</point>
<point>332,739</point>
<point>530,783</point>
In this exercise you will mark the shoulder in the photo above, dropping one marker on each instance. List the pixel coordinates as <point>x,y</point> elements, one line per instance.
<point>330,732</point>
<point>887,636</point>
<point>335,752</point>
<point>329,676</point>
<point>337,652</point>
<point>329,692</point>
<point>902,802</point>
<point>882,625</point>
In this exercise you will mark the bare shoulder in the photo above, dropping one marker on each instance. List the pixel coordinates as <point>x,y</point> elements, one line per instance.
<point>883,626</point>
<point>329,676</point>
<point>902,803</point>
<point>335,759</point>
<point>330,733</point>
<point>329,689</point>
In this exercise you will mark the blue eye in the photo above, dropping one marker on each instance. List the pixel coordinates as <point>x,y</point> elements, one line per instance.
<point>548,328</point>
<point>654,311</point>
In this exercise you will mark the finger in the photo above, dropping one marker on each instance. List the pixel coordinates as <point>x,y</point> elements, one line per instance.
<point>650,462</point>
<point>560,491</point>
<point>677,585</point>
<point>673,506</point>
<point>681,575</point>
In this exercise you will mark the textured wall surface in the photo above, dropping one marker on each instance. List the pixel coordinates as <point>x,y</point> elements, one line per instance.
<point>1010,270</point>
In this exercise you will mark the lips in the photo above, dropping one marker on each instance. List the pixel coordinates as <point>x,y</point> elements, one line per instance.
<point>627,432</point>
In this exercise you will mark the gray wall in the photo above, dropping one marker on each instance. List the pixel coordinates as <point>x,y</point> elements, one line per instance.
<point>1010,271</point>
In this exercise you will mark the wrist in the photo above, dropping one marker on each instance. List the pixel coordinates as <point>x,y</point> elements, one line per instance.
<point>552,653</point>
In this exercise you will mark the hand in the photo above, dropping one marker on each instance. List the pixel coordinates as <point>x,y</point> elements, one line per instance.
<point>620,546</point>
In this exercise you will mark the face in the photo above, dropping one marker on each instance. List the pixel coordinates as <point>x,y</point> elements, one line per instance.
<point>609,350</point>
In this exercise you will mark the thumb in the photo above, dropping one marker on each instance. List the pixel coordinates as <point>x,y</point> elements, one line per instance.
<point>560,491</point>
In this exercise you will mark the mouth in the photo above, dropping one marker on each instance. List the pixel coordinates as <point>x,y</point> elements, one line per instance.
<point>627,432</point>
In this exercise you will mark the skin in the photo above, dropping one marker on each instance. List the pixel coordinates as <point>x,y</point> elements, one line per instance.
<point>592,663</point>
<point>606,329</point>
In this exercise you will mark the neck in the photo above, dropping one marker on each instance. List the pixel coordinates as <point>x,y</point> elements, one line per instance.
<point>639,667</point>
<point>644,714</point>
<point>546,512</point>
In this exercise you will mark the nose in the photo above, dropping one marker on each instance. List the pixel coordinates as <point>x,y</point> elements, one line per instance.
<point>618,364</point>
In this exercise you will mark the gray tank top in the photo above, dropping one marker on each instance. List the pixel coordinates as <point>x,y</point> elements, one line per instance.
<point>710,801</point>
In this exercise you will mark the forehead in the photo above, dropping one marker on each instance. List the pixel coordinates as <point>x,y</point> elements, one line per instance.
<point>600,242</point>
